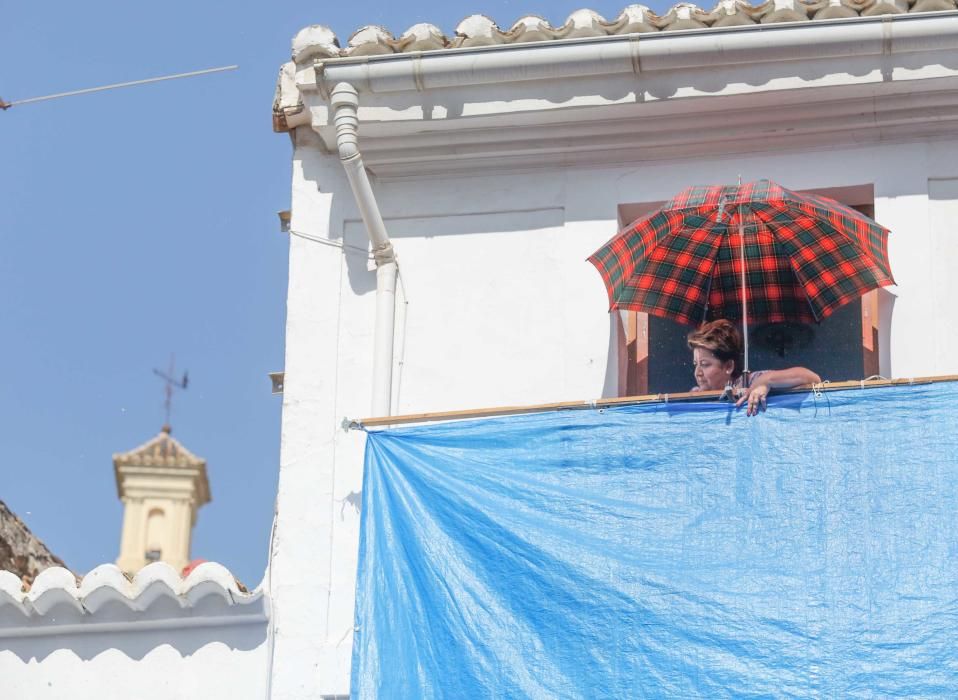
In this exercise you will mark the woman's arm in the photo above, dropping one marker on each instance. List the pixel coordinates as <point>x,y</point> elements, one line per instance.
<point>790,378</point>
<point>786,378</point>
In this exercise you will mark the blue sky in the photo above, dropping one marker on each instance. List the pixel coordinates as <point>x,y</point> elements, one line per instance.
<point>139,222</point>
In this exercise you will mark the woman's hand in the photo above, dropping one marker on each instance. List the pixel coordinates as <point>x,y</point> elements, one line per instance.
<point>755,395</point>
<point>763,382</point>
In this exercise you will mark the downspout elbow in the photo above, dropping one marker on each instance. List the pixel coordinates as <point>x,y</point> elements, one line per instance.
<point>344,100</point>
<point>348,151</point>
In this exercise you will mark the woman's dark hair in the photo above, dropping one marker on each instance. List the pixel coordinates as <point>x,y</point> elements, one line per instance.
<point>722,339</point>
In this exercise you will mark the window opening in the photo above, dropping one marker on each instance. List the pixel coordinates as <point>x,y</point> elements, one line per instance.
<point>843,346</point>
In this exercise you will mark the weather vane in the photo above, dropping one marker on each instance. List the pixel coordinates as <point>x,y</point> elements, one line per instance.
<point>171,383</point>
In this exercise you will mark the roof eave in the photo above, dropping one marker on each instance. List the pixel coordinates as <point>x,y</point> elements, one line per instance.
<point>638,54</point>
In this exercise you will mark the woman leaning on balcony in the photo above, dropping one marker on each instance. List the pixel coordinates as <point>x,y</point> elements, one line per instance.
<point>717,361</point>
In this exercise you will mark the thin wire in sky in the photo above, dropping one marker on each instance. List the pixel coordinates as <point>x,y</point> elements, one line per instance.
<point>8,105</point>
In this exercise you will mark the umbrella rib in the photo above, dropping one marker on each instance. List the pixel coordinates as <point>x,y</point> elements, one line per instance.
<point>711,278</point>
<point>808,299</point>
<point>881,275</point>
<point>822,219</point>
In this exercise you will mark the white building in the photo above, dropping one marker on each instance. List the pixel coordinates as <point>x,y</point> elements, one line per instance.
<point>485,169</point>
<point>153,638</point>
<point>499,160</point>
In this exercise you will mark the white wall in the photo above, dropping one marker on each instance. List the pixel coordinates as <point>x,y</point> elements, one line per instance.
<point>155,636</point>
<point>943,277</point>
<point>138,666</point>
<point>500,307</point>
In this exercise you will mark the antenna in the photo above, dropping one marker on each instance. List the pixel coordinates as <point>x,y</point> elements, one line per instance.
<point>7,105</point>
<point>171,383</point>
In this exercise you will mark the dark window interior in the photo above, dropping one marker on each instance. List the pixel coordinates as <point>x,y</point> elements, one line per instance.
<point>832,348</point>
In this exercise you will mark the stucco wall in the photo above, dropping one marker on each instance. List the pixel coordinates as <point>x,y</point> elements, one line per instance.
<point>155,636</point>
<point>230,664</point>
<point>498,306</point>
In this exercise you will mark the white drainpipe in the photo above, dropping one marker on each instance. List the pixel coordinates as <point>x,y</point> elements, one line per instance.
<point>345,104</point>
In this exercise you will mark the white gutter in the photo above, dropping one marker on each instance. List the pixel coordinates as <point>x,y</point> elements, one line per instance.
<point>345,104</point>
<point>642,53</point>
<point>135,626</point>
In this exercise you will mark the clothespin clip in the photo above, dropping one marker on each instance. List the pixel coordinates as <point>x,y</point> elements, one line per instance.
<point>728,393</point>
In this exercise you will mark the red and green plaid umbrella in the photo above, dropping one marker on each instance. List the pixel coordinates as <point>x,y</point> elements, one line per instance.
<point>804,255</point>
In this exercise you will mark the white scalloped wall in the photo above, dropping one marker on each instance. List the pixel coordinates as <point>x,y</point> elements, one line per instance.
<point>107,584</point>
<point>156,637</point>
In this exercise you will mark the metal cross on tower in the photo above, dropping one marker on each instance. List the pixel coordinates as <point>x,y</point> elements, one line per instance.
<point>171,383</point>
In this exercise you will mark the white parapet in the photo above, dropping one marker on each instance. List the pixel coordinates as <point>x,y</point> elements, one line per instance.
<point>157,635</point>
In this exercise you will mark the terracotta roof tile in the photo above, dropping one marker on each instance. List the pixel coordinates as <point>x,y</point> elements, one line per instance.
<point>153,587</point>
<point>161,451</point>
<point>317,41</point>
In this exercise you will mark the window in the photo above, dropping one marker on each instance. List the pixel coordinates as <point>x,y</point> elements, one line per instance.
<point>155,526</point>
<point>843,346</point>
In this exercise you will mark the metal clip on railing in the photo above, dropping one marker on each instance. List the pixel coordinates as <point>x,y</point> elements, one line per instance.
<point>727,393</point>
<point>350,424</point>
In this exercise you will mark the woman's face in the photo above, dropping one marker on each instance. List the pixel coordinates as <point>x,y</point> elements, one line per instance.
<point>710,372</point>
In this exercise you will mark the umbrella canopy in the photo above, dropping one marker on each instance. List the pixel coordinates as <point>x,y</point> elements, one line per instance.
<point>804,256</point>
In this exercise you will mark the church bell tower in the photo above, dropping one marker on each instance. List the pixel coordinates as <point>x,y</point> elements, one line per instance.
<point>162,485</point>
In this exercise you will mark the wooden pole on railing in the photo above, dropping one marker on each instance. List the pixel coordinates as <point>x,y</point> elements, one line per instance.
<point>623,401</point>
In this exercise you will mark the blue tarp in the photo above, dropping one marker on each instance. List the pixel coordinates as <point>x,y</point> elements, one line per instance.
<point>679,550</point>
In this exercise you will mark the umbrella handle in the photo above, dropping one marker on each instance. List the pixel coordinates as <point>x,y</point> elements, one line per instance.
<point>741,233</point>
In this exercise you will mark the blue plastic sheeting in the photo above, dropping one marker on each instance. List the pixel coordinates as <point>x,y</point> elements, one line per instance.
<point>678,551</point>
